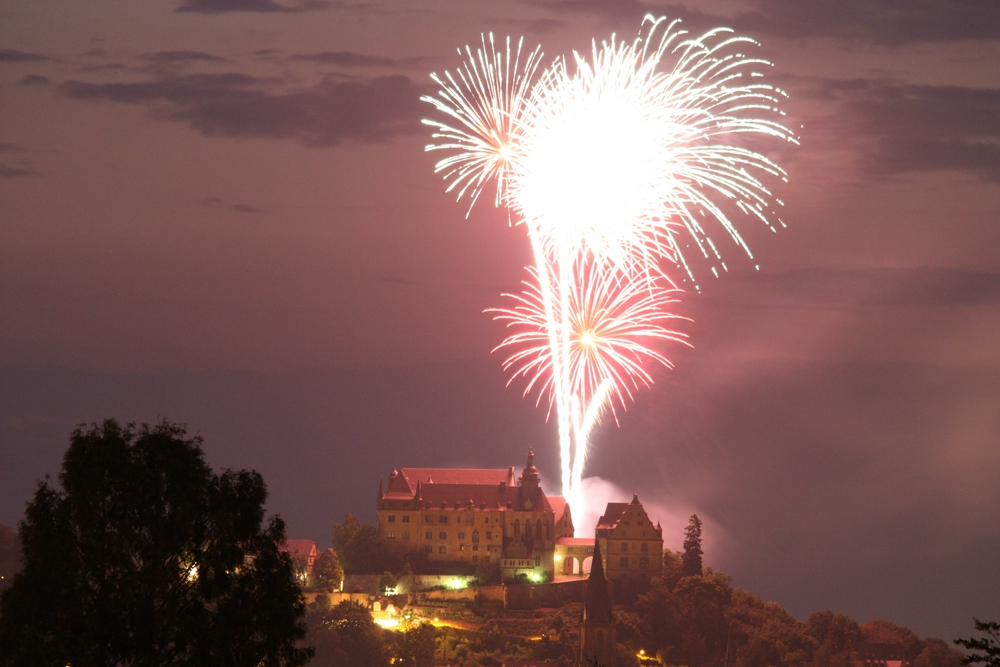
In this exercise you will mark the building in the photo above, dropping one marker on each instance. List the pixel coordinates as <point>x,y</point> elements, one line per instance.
<point>304,554</point>
<point>597,634</point>
<point>479,517</point>
<point>631,545</point>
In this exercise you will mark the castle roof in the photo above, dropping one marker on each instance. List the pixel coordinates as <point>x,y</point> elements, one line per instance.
<point>489,476</point>
<point>483,496</point>
<point>300,547</point>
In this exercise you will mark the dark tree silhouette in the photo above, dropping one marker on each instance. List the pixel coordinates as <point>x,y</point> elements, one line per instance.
<point>327,571</point>
<point>691,560</point>
<point>10,555</point>
<point>144,556</point>
<point>988,645</point>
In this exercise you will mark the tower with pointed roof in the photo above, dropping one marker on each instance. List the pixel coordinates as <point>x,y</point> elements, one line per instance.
<point>597,634</point>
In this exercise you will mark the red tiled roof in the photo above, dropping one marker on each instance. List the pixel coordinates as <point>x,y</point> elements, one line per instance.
<point>612,514</point>
<point>558,504</point>
<point>301,547</point>
<point>490,476</point>
<point>491,496</point>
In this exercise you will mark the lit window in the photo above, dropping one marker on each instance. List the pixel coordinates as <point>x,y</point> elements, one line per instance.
<point>442,549</point>
<point>391,534</point>
<point>461,547</point>
<point>392,518</point>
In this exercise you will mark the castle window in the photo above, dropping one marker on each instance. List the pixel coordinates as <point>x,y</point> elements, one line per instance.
<point>624,546</point>
<point>475,559</point>
<point>643,563</point>
<point>475,547</point>
<point>645,547</point>
<point>428,535</point>
<point>475,537</point>
<point>517,527</point>
<point>406,518</point>
<point>406,534</point>
<point>624,561</point>
<point>538,561</point>
<point>443,519</point>
<point>461,536</point>
<point>461,547</point>
<point>442,549</point>
<point>391,534</point>
<point>538,529</point>
<point>443,535</point>
<point>489,535</point>
<point>428,548</point>
<point>392,518</point>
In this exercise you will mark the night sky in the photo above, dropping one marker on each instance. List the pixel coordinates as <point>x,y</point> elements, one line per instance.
<point>220,212</point>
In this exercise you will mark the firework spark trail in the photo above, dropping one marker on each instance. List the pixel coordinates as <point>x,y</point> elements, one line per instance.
<point>609,167</point>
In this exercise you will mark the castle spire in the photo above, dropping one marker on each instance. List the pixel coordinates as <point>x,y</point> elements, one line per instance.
<point>597,607</point>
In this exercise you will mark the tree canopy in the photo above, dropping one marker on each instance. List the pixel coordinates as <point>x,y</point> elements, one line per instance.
<point>143,555</point>
<point>988,646</point>
<point>10,555</point>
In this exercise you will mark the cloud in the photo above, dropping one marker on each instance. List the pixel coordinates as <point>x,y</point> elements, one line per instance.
<point>16,172</point>
<point>172,57</point>
<point>263,6</point>
<point>883,22</point>
<point>34,80</point>
<point>894,127</point>
<point>15,56</point>
<point>351,59</point>
<point>889,287</point>
<point>237,105</point>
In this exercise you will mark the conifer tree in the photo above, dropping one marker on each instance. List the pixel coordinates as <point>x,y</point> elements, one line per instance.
<point>691,560</point>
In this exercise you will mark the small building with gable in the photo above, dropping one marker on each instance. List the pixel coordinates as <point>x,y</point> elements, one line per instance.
<point>631,546</point>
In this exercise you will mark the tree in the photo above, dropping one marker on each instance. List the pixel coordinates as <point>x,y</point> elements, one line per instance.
<point>346,636</point>
<point>10,555</point>
<point>988,645</point>
<point>691,560</point>
<point>327,571</point>
<point>386,583</point>
<point>359,547</point>
<point>144,556</point>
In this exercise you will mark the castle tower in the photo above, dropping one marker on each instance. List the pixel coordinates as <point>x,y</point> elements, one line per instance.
<point>528,481</point>
<point>597,635</point>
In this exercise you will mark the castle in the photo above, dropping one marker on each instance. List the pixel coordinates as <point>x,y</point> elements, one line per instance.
<point>482,517</point>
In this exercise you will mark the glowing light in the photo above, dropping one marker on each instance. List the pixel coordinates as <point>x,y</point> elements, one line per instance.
<point>457,584</point>
<point>612,162</point>
<point>387,623</point>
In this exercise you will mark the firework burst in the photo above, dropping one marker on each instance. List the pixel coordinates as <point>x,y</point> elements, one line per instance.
<point>611,162</point>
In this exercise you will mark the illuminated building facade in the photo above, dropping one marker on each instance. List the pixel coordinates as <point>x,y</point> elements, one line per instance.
<point>475,516</point>
<point>632,547</point>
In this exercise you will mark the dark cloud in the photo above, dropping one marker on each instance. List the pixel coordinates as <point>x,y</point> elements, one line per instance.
<point>897,287</point>
<point>237,105</point>
<point>884,22</point>
<point>264,6</point>
<point>15,56</point>
<point>172,57</point>
<point>34,80</point>
<point>896,127</point>
<point>16,172</point>
<point>351,59</point>
<point>245,208</point>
